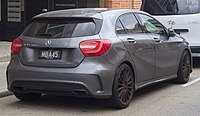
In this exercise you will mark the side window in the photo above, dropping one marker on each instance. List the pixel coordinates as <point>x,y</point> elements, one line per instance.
<point>14,10</point>
<point>151,25</point>
<point>127,24</point>
<point>119,27</point>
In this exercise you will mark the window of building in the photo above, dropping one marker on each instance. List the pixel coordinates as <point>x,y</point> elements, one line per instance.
<point>127,24</point>
<point>14,11</point>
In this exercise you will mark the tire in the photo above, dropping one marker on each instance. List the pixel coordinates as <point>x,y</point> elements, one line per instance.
<point>184,69</point>
<point>27,96</point>
<point>123,88</point>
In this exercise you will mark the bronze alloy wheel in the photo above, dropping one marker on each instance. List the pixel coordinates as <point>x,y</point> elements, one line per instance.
<point>186,66</point>
<point>123,87</point>
<point>184,69</point>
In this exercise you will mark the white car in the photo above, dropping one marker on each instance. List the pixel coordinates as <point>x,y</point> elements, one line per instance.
<point>182,15</point>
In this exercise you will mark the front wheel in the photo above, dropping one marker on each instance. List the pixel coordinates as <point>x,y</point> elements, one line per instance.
<point>184,69</point>
<point>123,87</point>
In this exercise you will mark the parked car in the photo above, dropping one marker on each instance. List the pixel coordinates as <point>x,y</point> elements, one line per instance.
<point>182,15</point>
<point>98,53</point>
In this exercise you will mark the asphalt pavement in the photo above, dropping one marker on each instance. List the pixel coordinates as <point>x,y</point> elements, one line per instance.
<point>162,99</point>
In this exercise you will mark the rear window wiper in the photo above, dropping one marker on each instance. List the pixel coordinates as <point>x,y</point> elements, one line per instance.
<point>47,35</point>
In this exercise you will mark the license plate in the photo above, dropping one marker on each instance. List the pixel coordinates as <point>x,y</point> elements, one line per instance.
<point>50,54</point>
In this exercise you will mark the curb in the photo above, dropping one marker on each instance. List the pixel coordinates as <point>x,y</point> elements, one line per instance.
<point>5,94</point>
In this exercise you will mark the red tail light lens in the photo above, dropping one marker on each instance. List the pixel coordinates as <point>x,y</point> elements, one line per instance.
<point>16,46</point>
<point>91,48</point>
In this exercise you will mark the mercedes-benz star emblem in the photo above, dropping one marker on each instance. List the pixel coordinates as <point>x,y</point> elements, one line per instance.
<point>48,42</point>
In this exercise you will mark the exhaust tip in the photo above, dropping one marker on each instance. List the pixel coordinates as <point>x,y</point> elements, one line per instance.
<point>80,92</point>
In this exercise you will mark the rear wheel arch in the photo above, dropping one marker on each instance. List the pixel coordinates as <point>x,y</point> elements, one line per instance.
<point>187,49</point>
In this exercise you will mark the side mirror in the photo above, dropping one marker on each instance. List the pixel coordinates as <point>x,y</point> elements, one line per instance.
<point>171,32</point>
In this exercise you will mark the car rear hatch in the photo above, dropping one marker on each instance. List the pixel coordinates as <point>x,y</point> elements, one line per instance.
<point>54,42</point>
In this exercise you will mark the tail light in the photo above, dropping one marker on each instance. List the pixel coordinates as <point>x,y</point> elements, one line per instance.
<point>97,47</point>
<point>16,46</point>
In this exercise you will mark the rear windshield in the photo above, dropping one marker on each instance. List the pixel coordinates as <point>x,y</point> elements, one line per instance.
<point>62,28</point>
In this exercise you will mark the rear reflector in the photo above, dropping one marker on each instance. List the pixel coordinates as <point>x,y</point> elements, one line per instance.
<point>91,48</point>
<point>16,46</point>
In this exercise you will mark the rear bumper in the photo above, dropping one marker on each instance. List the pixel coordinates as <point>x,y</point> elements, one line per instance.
<point>54,88</point>
<point>89,79</point>
<point>195,54</point>
<point>195,51</point>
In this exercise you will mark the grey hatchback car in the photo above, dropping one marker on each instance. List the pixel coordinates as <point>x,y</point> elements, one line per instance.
<point>95,52</point>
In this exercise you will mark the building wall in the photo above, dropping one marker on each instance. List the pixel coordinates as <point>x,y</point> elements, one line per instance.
<point>137,4</point>
<point>130,4</point>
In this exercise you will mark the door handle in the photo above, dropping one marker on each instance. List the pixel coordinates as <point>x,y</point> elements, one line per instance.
<point>157,40</point>
<point>131,40</point>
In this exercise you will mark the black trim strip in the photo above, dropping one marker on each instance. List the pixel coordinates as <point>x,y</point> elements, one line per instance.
<point>181,30</point>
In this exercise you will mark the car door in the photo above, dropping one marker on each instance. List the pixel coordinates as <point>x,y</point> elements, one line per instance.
<point>139,45</point>
<point>166,49</point>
